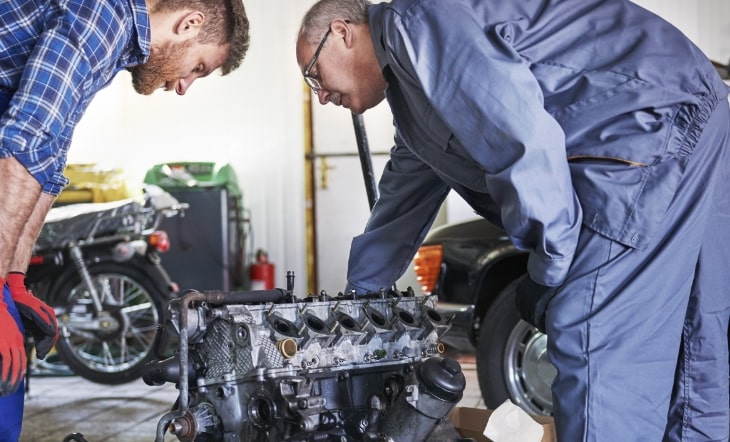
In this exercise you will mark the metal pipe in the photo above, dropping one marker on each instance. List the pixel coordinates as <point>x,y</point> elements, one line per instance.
<point>163,424</point>
<point>366,162</point>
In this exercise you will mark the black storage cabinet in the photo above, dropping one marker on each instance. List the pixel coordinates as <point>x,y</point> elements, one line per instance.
<point>207,243</point>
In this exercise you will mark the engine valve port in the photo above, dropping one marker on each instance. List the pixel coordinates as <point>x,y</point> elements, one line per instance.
<point>406,317</point>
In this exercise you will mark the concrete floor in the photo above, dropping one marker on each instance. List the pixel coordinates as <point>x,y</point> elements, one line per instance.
<point>59,405</point>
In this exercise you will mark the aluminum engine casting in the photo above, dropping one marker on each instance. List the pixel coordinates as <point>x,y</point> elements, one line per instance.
<point>267,366</point>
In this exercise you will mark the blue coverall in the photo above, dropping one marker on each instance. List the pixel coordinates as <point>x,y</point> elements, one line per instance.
<point>595,134</point>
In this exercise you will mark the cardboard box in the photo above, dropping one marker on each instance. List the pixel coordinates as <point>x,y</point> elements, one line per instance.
<point>470,422</point>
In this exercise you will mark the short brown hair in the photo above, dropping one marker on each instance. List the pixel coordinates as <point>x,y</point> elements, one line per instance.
<point>226,22</point>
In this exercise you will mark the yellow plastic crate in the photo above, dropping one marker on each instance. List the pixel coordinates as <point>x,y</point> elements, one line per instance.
<point>90,183</point>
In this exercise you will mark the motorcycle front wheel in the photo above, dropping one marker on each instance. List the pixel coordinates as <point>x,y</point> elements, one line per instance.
<point>113,346</point>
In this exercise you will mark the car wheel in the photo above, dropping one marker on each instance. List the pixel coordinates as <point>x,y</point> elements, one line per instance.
<point>512,361</point>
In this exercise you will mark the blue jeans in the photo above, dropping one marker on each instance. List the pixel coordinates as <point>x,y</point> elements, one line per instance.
<point>11,407</point>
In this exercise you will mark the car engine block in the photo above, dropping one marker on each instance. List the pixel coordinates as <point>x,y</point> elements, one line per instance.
<point>267,366</point>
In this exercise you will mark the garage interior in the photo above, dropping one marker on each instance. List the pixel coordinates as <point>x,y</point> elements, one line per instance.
<point>292,184</point>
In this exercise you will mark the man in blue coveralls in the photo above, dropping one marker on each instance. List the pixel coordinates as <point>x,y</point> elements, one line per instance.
<point>596,135</point>
<point>54,57</point>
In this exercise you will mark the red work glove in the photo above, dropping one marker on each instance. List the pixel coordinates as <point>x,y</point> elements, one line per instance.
<point>38,318</point>
<point>12,352</point>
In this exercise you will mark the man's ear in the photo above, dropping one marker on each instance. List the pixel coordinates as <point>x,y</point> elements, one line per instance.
<point>190,22</point>
<point>343,30</point>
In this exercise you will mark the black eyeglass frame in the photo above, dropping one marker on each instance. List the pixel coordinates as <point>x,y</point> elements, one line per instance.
<point>311,81</point>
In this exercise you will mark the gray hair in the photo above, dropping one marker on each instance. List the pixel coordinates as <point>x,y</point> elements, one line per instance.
<point>317,20</point>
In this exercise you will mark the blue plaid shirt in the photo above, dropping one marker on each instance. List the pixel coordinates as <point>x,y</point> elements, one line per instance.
<point>54,57</point>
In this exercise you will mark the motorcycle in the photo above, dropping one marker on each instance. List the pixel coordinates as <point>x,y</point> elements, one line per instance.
<point>98,265</point>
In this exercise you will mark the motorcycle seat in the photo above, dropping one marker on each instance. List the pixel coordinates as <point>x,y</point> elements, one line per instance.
<point>85,221</point>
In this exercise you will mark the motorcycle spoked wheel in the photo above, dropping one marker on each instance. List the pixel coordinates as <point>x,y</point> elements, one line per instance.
<point>116,347</point>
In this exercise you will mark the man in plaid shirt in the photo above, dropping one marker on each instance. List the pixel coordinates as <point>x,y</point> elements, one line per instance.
<point>54,57</point>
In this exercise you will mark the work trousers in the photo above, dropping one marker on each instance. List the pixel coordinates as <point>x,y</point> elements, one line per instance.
<point>640,337</point>
<point>11,406</point>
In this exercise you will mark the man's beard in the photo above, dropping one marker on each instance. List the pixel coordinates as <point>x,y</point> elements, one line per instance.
<point>162,66</point>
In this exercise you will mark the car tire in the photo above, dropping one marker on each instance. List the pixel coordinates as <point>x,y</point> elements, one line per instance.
<point>512,361</point>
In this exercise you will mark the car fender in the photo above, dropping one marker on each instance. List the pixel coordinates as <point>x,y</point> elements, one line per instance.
<point>491,273</point>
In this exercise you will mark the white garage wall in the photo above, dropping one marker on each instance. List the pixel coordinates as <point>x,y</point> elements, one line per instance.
<point>706,22</point>
<point>253,119</point>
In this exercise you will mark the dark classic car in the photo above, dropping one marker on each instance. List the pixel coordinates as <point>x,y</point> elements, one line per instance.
<point>472,266</point>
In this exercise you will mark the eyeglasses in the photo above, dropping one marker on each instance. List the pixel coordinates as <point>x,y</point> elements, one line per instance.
<point>311,81</point>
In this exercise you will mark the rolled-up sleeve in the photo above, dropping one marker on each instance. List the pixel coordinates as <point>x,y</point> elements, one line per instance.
<point>57,58</point>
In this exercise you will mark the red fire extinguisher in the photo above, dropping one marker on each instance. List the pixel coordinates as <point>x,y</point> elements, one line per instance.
<point>262,272</point>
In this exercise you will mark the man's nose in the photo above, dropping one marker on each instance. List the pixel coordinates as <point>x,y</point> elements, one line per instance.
<point>323,96</point>
<point>184,84</point>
